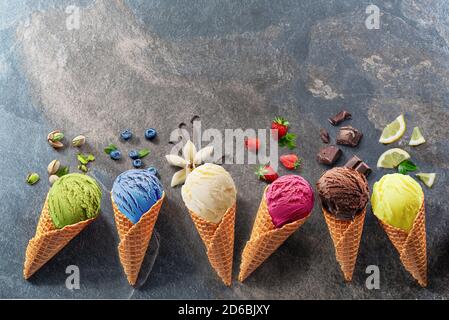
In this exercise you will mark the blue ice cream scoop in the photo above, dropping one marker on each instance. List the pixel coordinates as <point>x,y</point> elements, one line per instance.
<point>135,192</point>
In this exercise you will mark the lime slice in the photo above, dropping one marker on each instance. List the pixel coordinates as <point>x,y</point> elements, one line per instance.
<point>416,138</point>
<point>392,158</point>
<point>393,131</point>
<point>427,178</point>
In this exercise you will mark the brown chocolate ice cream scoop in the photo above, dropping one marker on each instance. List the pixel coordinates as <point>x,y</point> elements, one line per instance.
<point>344,192</point>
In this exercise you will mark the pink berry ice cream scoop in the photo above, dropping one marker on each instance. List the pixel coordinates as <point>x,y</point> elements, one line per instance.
<point>289,198</point>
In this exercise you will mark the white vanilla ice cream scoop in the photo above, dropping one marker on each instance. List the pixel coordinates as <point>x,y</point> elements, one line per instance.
<point>209,191</point>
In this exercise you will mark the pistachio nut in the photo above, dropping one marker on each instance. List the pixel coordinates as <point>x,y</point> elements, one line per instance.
<point>52,179</point>
<point>78,141</point>
<point>32,178</point>
<point>83,168</point>
<point>54,139</point>
<point>53,167</point>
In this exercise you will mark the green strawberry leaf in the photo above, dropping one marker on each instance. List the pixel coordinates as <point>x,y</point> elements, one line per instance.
<point>62,171</point>
<point>407,166</point>
<point>110,148</point>
<point>143,153</point>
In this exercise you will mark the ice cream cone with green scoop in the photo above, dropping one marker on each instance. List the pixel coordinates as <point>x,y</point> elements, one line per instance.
<point>72,203</point>
<point>137,196</point>
<point>209,193</point>
<point>398,203</point>
<point>285,206</point>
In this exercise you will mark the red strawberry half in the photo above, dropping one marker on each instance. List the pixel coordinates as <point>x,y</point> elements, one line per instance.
<point>252,144</point>
<point>290,161</point>
<point>281,125</point>
<point>267,173</point>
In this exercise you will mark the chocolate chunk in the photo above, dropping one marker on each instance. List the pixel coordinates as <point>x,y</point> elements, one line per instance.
<point>324,135</point>
<point>357,164</point>
<point>340,117</point>
<point>328,155</point>
<point>349,136</point>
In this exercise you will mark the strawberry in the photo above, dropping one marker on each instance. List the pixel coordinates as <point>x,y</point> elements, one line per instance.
<point>252,144</point>
<point>281,125</point>
<point>267,173</point>
<point>290,161</point>
<point>285,138</point>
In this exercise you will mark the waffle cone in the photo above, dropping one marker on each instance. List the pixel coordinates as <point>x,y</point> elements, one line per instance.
<point>265,239</point>
<point>218,238</point>
<point>411,246</point>
<point>48,241</point>
<point>346,237</point>
<point>135,238</point>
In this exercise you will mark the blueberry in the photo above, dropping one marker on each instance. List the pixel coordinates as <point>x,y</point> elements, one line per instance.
<point>150,134</point>
<point>137,163</point>
<point>134,154</point>
<point>126,135</point>
<point>115,155</point>
<point>153,170</point>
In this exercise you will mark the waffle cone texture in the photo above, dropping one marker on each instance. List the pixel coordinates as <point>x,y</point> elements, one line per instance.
<point>411,246</point>
<point>135,238</point>
<point>346,237</point>
<point>218,238</point>
<point>48,241</point>
<point>264,240</point>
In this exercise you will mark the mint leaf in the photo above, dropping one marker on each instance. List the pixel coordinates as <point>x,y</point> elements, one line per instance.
<point>143,153</point>
<point>83,159</point>
<point>110,148</point>
<point>407,166</point>
<point>90,157</point>
<point>289,141</point>
<point>83,168</point>
<point>62,171</point>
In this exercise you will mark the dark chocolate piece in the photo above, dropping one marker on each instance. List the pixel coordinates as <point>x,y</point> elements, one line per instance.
<point>329,155</point>
<point>340,117</point>
<point>324,135</point>
<point>357,164</point>
<point>349,136</point>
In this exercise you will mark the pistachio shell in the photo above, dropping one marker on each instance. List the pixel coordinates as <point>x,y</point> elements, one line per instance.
<point>53,167</point>
<point>55,144</point>
<point>52,179</point>
<point>78,141</point>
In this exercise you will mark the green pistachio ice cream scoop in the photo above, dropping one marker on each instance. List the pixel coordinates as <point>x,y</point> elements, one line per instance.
<point>73,198</point>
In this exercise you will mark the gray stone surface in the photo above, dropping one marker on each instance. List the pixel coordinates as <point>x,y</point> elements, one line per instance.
<point>236,64</point>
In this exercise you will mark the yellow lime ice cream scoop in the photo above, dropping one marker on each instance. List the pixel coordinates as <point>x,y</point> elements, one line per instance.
<point>396,200</point>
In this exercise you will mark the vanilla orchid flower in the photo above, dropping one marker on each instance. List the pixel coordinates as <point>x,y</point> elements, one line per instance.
<point>190,160</point>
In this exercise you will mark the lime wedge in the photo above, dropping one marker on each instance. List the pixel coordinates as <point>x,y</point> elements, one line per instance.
<point>416,138</point>
<point>393,131</point>
<point>427,178</point>
<point>392,158</point>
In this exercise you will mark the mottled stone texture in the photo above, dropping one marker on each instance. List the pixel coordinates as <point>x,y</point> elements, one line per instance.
<point>237,64</point>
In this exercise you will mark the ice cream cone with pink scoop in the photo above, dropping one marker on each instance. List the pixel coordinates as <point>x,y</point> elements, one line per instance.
<point>285,206</point>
